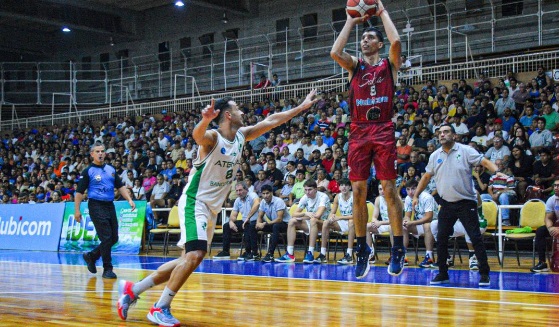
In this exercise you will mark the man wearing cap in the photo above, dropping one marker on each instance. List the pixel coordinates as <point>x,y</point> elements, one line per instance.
<point>315,161</point>
<point>497,131</point>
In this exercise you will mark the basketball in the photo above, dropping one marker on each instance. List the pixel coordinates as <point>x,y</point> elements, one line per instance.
<point>360,8</point>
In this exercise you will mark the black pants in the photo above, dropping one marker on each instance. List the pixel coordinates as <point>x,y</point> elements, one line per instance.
<point>541,234</point>
<point>466,211</point>
<point>275,229</point>
<point>250,243</point>
<point>103,216</point>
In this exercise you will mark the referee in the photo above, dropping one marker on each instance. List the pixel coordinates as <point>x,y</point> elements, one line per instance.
<point>100,180</point>
<point>451,166</point>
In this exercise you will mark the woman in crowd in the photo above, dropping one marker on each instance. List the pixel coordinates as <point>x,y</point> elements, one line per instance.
<point>521,165</point>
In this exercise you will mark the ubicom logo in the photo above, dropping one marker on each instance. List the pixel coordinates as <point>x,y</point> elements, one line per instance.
<point>21,227</point>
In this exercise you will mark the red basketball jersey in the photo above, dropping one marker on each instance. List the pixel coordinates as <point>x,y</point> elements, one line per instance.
<point>371,90</point>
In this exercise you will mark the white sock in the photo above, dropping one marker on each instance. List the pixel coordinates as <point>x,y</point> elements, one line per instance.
<point>143,285</point>
<point>350,251</point>
<point>290,250</point>
<point>166,298</point>
<point>323,251</point>
<point>429,254</point>
<point>311,249</point>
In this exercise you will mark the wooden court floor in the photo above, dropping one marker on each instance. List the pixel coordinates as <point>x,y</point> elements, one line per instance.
<point>46,289</point>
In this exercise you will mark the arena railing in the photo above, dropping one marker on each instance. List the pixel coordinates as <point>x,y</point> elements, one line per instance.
<point>291,91</point>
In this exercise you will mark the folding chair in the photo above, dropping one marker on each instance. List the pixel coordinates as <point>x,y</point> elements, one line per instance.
<point>532,215</point>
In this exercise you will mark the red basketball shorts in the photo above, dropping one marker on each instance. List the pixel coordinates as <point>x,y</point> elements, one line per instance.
<point>372,142</point>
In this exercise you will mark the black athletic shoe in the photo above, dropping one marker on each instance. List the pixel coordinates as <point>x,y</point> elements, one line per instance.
<point>484,280</point>
<point>109,274</point>
<point>90,263</point>
<point>223,255</point>
<point>440,279</point>
<point>268,258</point>
<point>540,267</point>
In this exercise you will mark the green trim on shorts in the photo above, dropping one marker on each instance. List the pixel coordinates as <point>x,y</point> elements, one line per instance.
<point>189,215</point>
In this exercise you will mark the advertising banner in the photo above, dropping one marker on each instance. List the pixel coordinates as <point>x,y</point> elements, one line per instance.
<point>82,237</point>
<point>30,226</point>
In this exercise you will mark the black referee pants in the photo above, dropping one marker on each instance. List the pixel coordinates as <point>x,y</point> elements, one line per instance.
<point>103,216</point>
<point>466,211</point>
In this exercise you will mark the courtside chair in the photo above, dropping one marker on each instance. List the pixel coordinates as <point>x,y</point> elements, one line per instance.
<point>157,231</point>
<point>490,212</point>
<point>173,224</point>
<point>532,215</point>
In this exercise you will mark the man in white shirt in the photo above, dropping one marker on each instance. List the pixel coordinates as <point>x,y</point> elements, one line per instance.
<point>159,195</point>
<point>317,209</point>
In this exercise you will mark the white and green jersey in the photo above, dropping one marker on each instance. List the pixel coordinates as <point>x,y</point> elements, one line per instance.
<point>383,208</point>
<point>345,206</point>
<point>210,179</point>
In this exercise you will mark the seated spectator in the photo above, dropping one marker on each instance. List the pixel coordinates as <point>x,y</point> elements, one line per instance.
<point>417,220</point>
<point>541,138</point>
<point>277,214</point>
<point>497,131</point>
<point>420,143</point>
<point>274,175</point>
<point>247,205</point>
<point>317,209</point>
<point>545,172</point>
<point>158,197</point>
<point>261,181</point>
<point>551,118</point>
<point>480,138</point>
<point>519,137</point>
<point>527,116</point>
<point>342,222</point>
<point>286,189</point>
<point>498,151</point>
<point>502,191</point>
<point>175,192</point>
<point>297,191</point>
<point>508,120</point>
<point>481,179</point>
<point>521,167</point>
<point>416,162</point>
<point>549,229</point>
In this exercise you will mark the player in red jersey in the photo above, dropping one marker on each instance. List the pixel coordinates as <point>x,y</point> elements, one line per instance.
<point>372,139</point>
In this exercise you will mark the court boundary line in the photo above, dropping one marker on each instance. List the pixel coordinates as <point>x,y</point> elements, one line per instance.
<point>446,286</point>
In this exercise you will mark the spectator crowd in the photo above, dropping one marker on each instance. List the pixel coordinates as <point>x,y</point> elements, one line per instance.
<point>514,123</point>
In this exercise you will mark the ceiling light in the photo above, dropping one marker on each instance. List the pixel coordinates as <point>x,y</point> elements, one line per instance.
<point>179,3</point>
<point>225,20</point>
<point>65,29</point>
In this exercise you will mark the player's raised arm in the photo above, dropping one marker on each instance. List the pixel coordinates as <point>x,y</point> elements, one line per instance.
<point>252,132</point>
<point>201,135</point>
<point>394,38</point>
<point>344,59</point>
